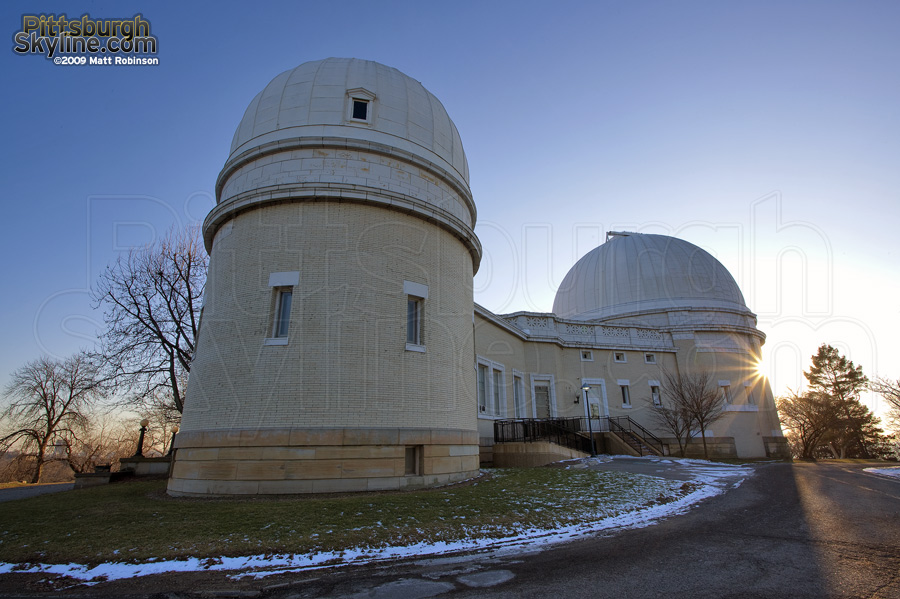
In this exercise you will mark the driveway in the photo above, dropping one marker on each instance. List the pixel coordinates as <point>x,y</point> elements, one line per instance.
<point>789,531</point>
<point>33,491</point>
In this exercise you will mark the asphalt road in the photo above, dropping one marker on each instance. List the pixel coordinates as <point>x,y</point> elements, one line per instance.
<point>791,530</point>
<point>33,490</point>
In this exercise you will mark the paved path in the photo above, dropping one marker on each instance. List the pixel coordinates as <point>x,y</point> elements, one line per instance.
<point>804,531</point>
<point>33,490</point>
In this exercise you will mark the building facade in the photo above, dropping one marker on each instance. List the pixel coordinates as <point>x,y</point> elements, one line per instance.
<point>340,349</point>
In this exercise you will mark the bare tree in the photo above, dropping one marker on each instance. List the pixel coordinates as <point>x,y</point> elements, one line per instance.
<point>47,403</point>
<point>807,417</point>
<point>105,441</point>
<point>670,413</point>
<point>890,391</point>
<point>152,300</point>
<point>694,398</point>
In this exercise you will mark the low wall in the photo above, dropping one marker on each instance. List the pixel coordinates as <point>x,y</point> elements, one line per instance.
<point>718,447</point>
<point>777,447</point>
<point>141,466</point>
<point>527,455</point>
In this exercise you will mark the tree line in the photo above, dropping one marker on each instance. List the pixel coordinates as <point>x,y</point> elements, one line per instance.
<point>828,419</point>
<point>56,410</point>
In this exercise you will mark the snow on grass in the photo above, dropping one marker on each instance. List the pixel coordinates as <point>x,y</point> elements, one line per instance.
<point>707,479</point>
<point>892,471</point>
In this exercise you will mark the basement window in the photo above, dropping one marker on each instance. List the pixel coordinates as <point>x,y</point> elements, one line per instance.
<point>413,460</point>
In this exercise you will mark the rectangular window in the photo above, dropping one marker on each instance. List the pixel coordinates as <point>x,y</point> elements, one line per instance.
<point>360,109</point>
<point>750,399</point>
<point>282,284</point>
<point>518,396</point>
<point>413,459</point>
<point>619,357</point>
<point>491,388</point>
<point>416,294</point>
<point>282,314</point>
<point>482,388</point>
<point>726,393</point>
<point>498,387</point>
<point>626,396</point>
<point>650,358</point>
<point>654,394</point>
<point>414,320</point>
<point>587,355</point>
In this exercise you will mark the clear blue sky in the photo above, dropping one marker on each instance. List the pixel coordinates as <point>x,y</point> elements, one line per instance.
<point>766,132</point>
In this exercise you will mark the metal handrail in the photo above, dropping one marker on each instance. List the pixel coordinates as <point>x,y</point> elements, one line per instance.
<point>645,436</point>
<point>567,432</point>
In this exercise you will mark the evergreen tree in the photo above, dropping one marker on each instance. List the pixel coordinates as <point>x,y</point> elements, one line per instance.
<point>834,379</point>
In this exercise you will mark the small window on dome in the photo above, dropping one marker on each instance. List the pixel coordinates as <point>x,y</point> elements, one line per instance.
<point>360,109</point>
<point>360,106</point>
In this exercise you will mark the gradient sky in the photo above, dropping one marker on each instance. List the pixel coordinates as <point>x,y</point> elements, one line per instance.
<point>768,133</point>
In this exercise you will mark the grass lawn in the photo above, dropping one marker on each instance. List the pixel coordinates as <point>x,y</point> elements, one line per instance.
<point>136,521</point>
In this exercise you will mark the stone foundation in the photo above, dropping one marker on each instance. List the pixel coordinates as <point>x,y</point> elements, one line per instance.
<point>287,461</point>
<point>529,455</point>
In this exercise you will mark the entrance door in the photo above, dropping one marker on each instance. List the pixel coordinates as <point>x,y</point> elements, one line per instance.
<point>542,400</point>
<point>596,407</point>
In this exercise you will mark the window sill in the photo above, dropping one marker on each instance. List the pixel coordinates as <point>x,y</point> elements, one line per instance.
<point>626,406</point>
<point>276,341</point>
<point>415,347</point>
<point>740,408</point>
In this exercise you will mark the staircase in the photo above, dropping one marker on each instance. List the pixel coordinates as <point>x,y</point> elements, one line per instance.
<point>641,441</point>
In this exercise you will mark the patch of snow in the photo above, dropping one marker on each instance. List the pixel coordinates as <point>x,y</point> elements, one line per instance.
<point>892,471</point>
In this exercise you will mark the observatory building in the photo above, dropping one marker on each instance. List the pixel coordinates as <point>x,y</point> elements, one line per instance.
<point>340,348</point>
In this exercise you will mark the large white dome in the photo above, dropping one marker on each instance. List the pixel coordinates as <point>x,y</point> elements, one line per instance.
<point>311,100</point>
<point>633,273</point>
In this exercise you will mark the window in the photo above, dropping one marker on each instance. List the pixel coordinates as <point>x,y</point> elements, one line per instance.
<point>482,388</point>
<point>414,320</point>
<point>360,106</point>
<point>654,395</point>
<point>587,355</point>
<point>413,460</point>
<point>619,357</point>
<point>416,294</point>
<point>626,392</point>
<point>282,314</point>
<point>282,284</point>
<point>360,109</point>
<point>497,388</point>
<point>650,358</point>
<point>518,395</point>
<point>750,399</point>
<point>726,393</point>
<point>491,388</point>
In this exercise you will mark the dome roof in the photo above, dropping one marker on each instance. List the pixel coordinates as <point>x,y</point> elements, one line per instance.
<point>634,272</point>
<point>313,100</point>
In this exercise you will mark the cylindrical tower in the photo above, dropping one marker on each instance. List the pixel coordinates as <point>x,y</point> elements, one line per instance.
<point>335,349</point>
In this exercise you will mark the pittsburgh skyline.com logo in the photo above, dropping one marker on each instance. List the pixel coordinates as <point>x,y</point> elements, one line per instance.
<point>87,40</point>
